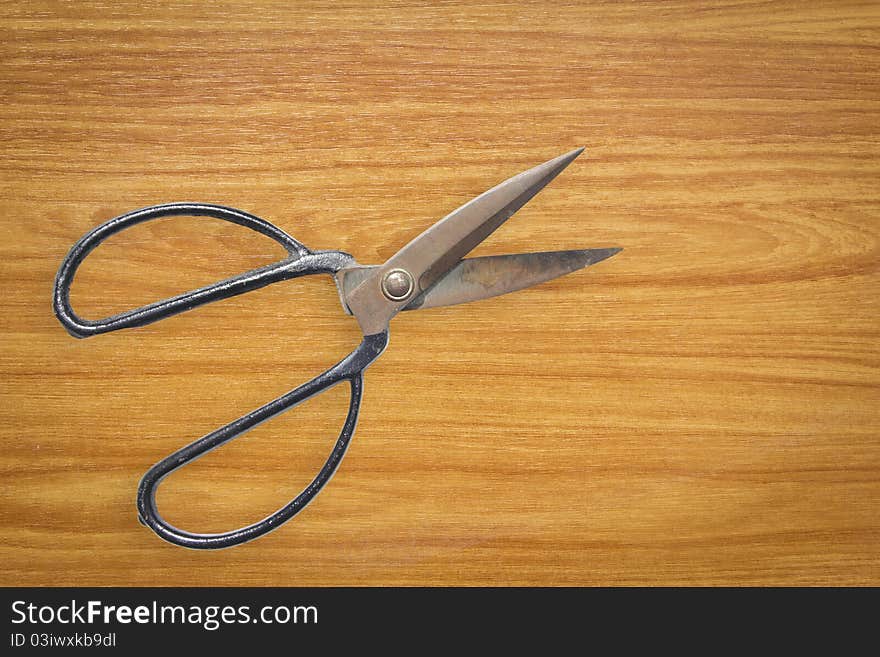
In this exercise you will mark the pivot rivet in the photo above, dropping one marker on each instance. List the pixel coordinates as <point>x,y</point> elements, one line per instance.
<point>397,284</point>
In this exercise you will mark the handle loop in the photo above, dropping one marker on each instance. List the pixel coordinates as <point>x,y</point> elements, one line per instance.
<point>350,368</point>
<point>301,261</point>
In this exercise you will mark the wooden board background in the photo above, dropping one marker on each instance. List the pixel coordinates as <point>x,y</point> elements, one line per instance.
<point>702,409</point>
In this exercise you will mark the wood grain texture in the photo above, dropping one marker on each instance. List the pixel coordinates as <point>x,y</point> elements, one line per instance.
<point>702,409</point>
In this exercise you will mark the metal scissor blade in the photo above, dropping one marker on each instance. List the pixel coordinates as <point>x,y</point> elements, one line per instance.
<point>437,250</point>
<point>429,257</point>
<point>473,279</point>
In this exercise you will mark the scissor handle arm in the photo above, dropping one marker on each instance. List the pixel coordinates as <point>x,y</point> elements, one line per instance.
<point>300,261</point>
<point>349,369</point>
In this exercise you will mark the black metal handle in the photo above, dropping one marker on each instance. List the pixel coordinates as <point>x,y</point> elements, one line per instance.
<point>350,368</point>
<point>301,261</point>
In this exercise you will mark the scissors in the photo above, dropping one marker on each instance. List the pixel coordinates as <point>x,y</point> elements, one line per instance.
<point>429,271</point>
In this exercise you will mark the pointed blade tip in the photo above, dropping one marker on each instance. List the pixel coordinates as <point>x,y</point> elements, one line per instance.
<point>592,256</point>
<point>567,158</point>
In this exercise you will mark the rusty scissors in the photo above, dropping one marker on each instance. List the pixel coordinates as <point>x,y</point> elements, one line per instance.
<point>429,271</point>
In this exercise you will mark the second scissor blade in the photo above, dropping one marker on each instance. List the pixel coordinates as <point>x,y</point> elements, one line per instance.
<point>473,279</point>
<point>436,251</point>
